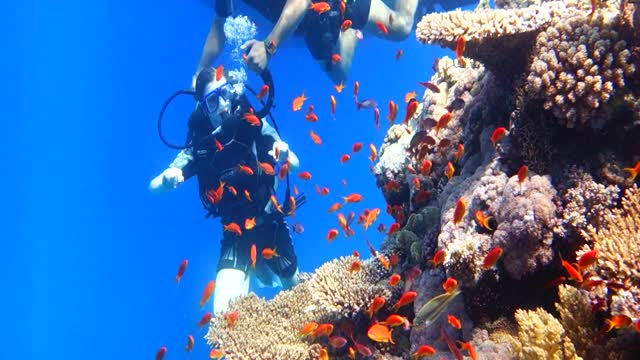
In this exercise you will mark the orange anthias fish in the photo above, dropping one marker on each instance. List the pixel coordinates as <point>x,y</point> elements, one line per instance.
<point>449,171</point>
<point>332,234</point>
<point>393,111</point>
<point>380,333</point>
<point>443,121</point>
<point>371,218</point>
<point>275,203</point>
<point>394,320</point>
<point>308,328</point>
<point>346,25</point>
<point>438,258</point>
<point>356,265</point>
<point>523,173</point>
<point>216,354</point>
<point>267,168</point>
<point>232,190</point>
<point>219,72</point>
<point>305,175</point>
<point>352,198</point>
<point>587,259</point>
<point>634,171</point>
<point>460,211</point>
<point>573,272</point>
<point>483,220</point>
<point>498,134</point>
<point>233,227</point>
<point>374,152</point>
<point>208,291</point>
<point>454,321</point>
<point>399,54</point>
<point>394,280</point>
<point>161,353</point>
<point>410,95</point>
<point>263,92</point>
<point>618,322</point>
<point>382,27</point>
<point>412,107</point>
<point>357,147</point>
<point>323,354</point>
<point>450,285</point>
<point>393,229</point>
<point>216,195</point>
<point>335,207</point>
<point>219,145</point>
<point>315,137</point>
<point>460,46</point>
<point>492,258</point>
<point>232,318</point>
<point>376,305</point>
<point>320,7</point>
<point>424,351</point>
<point>339,87</point>
<point>356,89</point>
<point>298,102</point>
<point>334,104</point>
<point>344,158</point>
<point>250,223</point>
<point>336,58</point>
<point>470,349</point>
<point>246,169</point>
<point>323,330</point>
<point>190,342</point>
<point>254,255</point>
<point>269,253</point>
<point>405,299</point>
<point>247,195</point>
<point>425,169</point>
<point>181,270</point>
<point>252,119</point>
<point>312,117</point>
<point>206,318</point>
<point>459,153</point>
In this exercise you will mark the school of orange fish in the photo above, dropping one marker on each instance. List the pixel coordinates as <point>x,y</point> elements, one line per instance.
<point>381,330</point>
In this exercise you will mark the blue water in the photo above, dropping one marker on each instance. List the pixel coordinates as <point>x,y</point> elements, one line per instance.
<point>89,255</point>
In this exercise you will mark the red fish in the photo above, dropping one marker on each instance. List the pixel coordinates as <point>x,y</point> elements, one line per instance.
<point>320,7</point>
<point>305,175</point>
<point>382,27</point>
<point>394,280</point>
<point>336,58</point>
<point>357,147</point>
<point>405,299</point>
<point>323,330</point>
<point>263,92</point>
<point>161,353</point>
<point>344,158</point>
<point>449,171</point>
<point>232,227</point>
<point>206,318</point>
<point>269,253</point>
<point>181,270</point>
<point>315,137</point>
<point>431,86</point>
<point>483,220</point>
<point>339,87</point>
<point>252,119</point>
<point>393,229</point>
<point>346,25</point>
<point>190,342</point>
<point>587,259</point>
<point>253,255</point>
<point>634,171</point>
<point>376,305</point>
<point>298,102</point>
<point>394,320</point>
<point>267,168</point>
<point>216,354</point>
<point>498,134</point>
<point>492,258</point>
<point>356,89</point>
<point>208,291</point>
<point>459,153</point>
<point>523,173</point>
<point>337,342</point>
<point>470,349</point>
<point>460,46</point>
<point>438,258</point>
<point>352,198</point>
<point>333,233</point>
<point>308,328</point>
<point>374,152</point>
<point>334,104</point>
<point>399,54</point>
<point>219,72</point>
<point>572,271</point>
<point>356,265</point>
<point>454,321</point>
<point>232,318</point>
<point>450,285</point>
<point>618,322</point>
<point>460,211</point>
<point>412,107</point>
<point>380,333</point>
<point>246,169</point>
<point>443,121</point>
<point>425,169</point>
<point>393,112</point>
<point>424,351</point>
<point>312,117</point>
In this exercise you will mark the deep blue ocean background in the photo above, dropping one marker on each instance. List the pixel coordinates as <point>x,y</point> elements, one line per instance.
<point>90,255</point>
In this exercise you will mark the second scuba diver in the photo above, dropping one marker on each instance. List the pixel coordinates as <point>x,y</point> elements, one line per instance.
<point>229,157</point>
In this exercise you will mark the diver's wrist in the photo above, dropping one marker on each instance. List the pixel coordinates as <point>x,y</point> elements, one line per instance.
<point>270,46</point>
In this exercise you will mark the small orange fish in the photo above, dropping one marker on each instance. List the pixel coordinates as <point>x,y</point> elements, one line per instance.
<point>399,54</point>
<point>263,92</point>
<point>216,354</point>
<point>181,270</point>
<point>208,291</point>
<point>232,190</point>
<point>394,280</point>
<point>219,145</point>
<point>161,353</point>
<point>269,253</point>
<point>425,169</point>
<point>371,218</point>
<point>587,259</point>
<point>344,158</point>
<point>267,168</point>
<point>312,117</point>
<point>254,255</point>
<point>284,170</point>
<point>380,333</point>
<point>346,25</point>
<point>252,119</point>
<point>443,121</point>
<point>323,354</point>
<point>247,195</point>
<point>339,87</point>
<point>190,342</point>
<point>572,271</point>
<point>320,7</point>
<point>334,104</point>
<point>295,190</point>
<point>449,171</point>
<point>233,227</point>
<point>636,326</point>
<point>336,58</point>
<point>394,259</point>
<point>492,258</point>
<point>298,102</point>
<point>382,27</point>
<point>454,321</point>
<point>424,351</point>
<point>333,233</point>
<point>410,95</point>
<point>383,260</point>
<point>438,258</point>
<point>293,206</point>
<point>357,146</point>
<point>356,253</point>
<point>335,207</point>
<point>618,322</point>
<point>206,318</point>
<point>374,152</point>
<point>216,195</point>
<point>483,220</point>
<point>352,198</point>
<point>245,169</point>
<point>459,153</point>
<point>634,171</point>
<point>393,229</point>
<point>250,223</point>
<point>412,107</point>
<point>275,203</point>
<point>394,320</point>
<point>470,349</point>
<point>375,305</point>
<point>323,330</point>
<point>406,299</point>
<point>232,318</point>
<point>393,112</point>
<point>460,46</point>
<point>523,173</point>
<point>305,175</point>
<point>316,139</point>
<point>450,285</point>
<point>498,134</point>
<point>356,265</point>
<point>219,72</point>
<point>460,211</point>
<point>343,8</point>
<point>308,328</point>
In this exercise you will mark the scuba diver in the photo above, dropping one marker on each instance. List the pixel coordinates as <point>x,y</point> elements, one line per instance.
<point>229,156</point>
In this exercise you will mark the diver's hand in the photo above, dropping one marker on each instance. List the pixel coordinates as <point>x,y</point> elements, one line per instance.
<point>257,56</point>
<point>281,149</point>
<point>172,177</point>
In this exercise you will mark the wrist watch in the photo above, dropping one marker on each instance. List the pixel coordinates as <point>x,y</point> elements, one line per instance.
<point>270,45</point>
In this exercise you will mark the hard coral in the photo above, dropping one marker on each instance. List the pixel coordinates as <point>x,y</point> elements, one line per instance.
<point>526,218</point>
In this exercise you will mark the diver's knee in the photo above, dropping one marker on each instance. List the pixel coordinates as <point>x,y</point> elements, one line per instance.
<point>230,284</point>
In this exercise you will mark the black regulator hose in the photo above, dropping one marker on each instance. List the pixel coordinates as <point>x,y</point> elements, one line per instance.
<point>164,107</point>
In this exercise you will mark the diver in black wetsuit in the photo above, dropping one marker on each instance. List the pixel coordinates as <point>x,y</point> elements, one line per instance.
<point>219,140</point>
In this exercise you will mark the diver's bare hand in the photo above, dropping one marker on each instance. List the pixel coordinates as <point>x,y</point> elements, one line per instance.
<point>257,56</point>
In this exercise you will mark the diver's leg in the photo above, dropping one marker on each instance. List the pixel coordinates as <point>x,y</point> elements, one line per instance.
<point>399,20</point>
<point>346,47</point>
<point>286,264</point>
<point>230,284</point>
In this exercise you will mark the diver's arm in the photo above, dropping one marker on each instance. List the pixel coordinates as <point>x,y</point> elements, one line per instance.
<point>213,46</point>
<point>173,176</point>
<point>292,13</point>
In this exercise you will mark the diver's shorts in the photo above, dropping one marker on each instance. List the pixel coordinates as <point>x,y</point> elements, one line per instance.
<point>236,250</point>
<point>321,31</point>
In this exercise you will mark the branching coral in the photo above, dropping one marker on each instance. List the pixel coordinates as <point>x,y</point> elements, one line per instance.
<point>526,217</point>
<point>618,244</point>
<point>578,320</point>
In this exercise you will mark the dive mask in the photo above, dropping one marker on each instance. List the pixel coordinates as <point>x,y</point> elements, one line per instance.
<point>211,100</point>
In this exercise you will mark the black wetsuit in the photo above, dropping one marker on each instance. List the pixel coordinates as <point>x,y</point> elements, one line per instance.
<point>243,144</point>
<point>320,31</point>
